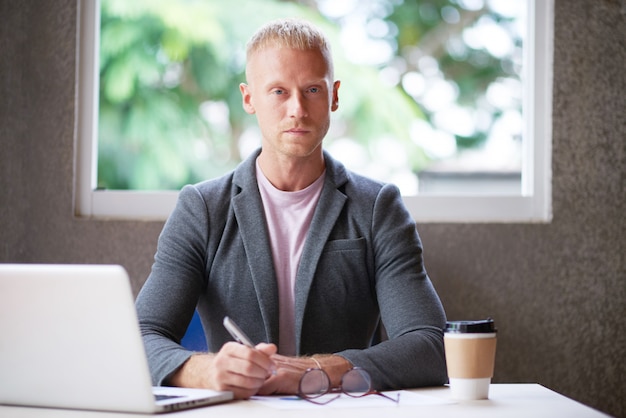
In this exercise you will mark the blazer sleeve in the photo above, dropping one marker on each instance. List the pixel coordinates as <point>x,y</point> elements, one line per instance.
<point>411,311</point>
<point>167,300</point>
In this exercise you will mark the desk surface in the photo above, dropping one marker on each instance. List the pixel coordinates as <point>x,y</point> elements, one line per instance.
<point>505,400</point>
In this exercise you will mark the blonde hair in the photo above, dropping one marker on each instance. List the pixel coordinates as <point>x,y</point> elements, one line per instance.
<point>291,33</point>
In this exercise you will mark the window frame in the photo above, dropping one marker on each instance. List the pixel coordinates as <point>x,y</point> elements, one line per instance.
<point>533,204</point>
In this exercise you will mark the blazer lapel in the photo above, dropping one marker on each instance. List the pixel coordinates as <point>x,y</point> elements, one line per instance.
<point>250,216</point>
<point>328,209</point>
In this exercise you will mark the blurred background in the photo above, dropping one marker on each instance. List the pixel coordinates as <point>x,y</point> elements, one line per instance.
<point>430,98</point>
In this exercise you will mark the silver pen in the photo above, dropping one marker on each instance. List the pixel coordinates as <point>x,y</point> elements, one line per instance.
<point>236,332</point>
<point>240,337</point>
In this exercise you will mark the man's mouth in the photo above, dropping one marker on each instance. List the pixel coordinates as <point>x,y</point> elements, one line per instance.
<point>297,131</point>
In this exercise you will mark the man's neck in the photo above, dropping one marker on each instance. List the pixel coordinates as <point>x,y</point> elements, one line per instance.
<point>291,174</point>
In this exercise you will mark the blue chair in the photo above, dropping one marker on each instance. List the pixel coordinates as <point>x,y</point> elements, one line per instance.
<point>194,338</point>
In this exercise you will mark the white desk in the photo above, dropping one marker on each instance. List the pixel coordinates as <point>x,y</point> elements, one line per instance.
<point>505,400</point>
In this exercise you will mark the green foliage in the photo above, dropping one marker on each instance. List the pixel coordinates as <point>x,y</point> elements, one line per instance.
<point>170,108</point>
<point>160,62</point>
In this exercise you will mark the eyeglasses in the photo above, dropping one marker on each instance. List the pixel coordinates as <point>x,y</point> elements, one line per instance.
<point>356,383</point>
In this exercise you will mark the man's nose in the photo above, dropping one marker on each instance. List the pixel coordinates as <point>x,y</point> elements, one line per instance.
<point>297,105</point>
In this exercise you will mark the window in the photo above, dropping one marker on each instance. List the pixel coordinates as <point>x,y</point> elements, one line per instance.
<point>436,191</point>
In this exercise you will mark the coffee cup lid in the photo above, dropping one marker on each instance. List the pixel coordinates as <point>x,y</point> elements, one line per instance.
<point>471,327</point>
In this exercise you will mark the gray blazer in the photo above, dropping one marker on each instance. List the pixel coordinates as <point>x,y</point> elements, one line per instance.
<point>361,265</point>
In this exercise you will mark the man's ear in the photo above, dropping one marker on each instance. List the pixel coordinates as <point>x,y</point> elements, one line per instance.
<point>334,105</point>
<point>246,98</point>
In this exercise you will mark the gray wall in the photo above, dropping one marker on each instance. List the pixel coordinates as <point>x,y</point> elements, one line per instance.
<point>556,290</point>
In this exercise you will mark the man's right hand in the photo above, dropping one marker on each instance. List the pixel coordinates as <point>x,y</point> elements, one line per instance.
<point>235,368</point>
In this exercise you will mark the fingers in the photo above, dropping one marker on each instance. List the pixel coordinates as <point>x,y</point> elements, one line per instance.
<point>268,349</point>
<point>241,369</point>
<point>287,378</point>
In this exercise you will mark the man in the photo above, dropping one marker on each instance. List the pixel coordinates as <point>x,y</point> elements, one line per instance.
<point>305,256</point>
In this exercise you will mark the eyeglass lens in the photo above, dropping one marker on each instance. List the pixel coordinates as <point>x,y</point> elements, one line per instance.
<point>314,383</point>
<point>356,382</point>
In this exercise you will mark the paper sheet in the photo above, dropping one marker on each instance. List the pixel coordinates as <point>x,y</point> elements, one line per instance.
<point>344,401</point>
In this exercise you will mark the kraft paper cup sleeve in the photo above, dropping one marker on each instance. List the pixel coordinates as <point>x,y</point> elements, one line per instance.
<point>470,358</point>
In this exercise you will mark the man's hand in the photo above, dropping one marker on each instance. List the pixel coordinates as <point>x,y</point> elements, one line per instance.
<point>235,367</point>
<point>289,371</point>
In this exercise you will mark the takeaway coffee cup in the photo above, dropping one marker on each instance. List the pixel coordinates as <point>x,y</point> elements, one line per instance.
<point>470,356</point>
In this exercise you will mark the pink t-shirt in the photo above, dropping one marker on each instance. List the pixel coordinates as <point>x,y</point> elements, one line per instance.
<point>288,216</point>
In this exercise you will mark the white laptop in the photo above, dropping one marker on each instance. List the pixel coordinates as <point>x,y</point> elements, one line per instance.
<point>69,338</point>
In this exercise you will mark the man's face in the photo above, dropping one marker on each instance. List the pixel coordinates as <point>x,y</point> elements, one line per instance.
<point>292,94</point>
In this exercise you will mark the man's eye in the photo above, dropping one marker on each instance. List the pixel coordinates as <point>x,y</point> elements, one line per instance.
<point>278,92</point>
<point>314,89</point>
